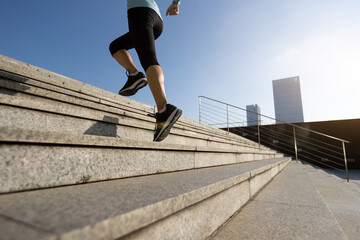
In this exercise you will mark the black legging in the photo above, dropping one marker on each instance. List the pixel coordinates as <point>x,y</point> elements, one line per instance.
<point>145,26</point>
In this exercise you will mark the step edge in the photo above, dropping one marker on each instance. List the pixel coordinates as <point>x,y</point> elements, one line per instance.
<point>127,122</point>
<point>25,136</point>
<point>227,182</point>
<point>185,120</point>
<point>205,193</point>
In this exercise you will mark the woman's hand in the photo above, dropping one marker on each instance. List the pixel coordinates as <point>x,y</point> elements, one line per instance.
<point>173,10</point>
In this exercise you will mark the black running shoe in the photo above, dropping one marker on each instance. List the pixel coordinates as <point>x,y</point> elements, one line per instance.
<point>165,120</point>
<point>133,84</point>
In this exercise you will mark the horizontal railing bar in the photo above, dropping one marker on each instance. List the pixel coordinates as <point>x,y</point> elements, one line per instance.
<point>290,147</point>
<point>302,136</point>
<point>248,132</point>
<point>326,165</point>
<point>228,137</point>
<point>222,109</point>
<point>279,134</point>
<point>280,147</point>
<point>308,142</point>
<point>255,138</point>
<point>283,139</point>
<point>320,157</point>
<point>284,122</point>
<point>319,141</point>
<point>327,149</point>
<point>285,147</point>
<point>212,108</point>
<point>208,121</point>
<point>228,111</point>
<point>304,146</point>
<point>240,114</point>
<point>311,146</point>
<point>238,123</point>
<point>212,116</point>
<point>213,112</point>
<point>218,124</point>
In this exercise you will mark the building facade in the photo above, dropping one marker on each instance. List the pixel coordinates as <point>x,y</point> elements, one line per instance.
<point>252,117</point>
<point>287,100</point>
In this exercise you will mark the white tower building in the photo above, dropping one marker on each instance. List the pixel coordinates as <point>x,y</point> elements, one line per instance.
<point>287,100</point>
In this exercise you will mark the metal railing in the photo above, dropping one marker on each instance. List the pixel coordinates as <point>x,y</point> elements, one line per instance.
<point>302,143</point>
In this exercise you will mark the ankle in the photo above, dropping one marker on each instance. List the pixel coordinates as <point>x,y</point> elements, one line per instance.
<point>163,109</point>
<point>133,73</point>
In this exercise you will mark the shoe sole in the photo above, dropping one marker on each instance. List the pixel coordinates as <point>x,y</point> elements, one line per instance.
<point>134,88</point>
<point>174,117</point>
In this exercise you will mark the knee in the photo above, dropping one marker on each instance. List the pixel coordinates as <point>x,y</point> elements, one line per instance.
<point>148,61</point>
<point>152,67</point>
<point>113,48</point>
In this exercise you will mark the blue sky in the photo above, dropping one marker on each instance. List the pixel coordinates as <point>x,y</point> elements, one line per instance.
<point>229,50</point>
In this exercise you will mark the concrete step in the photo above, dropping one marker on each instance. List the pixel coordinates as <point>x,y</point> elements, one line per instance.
<point>180,205</point>
<point>65,97</point>
<point>48,78</point>
<point>32,159</point>
<point>17,94</point>
<point>291,207</point>
<point>32,112</point>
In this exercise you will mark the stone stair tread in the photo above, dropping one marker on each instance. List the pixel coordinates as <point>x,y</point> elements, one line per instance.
<point>11,229</point>
<point>13,67</point>
<point>19,135</point>
<point>290,207</point>
<point>18,83</point>
<point>143,122</point>
<point>23,70</point>
<point>33,159</point>
<point>96,101</point>
<point>112,209</point>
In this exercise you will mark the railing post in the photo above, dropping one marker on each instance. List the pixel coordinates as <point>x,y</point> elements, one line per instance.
<point>295,145</point>
<point>346,167</point>
<point>227,117</point>
<point>199,109</point>
<point>258,127</point>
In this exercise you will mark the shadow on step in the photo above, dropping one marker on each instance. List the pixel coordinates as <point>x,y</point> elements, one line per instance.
<point>354,174</point>
<point>106,128</point>
<point>11,84</point>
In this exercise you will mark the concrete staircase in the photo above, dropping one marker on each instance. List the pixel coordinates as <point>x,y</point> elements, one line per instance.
<point>78,162</point>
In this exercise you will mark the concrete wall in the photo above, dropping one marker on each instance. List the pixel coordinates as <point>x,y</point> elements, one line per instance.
<point>344,129</point>
<point>280,137</point>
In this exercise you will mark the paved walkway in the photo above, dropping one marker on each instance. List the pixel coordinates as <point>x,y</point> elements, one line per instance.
<point>342,198</point>
<point>354,175</point>
<point>302,202</point>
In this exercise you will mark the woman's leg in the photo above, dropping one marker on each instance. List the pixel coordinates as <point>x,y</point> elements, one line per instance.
<point>145,26</point>
<point>125,60</point>
<point>155,77</point>
<point>136,80</point>
<point>118,50</point>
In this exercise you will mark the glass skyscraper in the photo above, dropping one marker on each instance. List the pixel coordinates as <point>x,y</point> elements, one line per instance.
<point>287,100</point>
<point>252,117</point>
